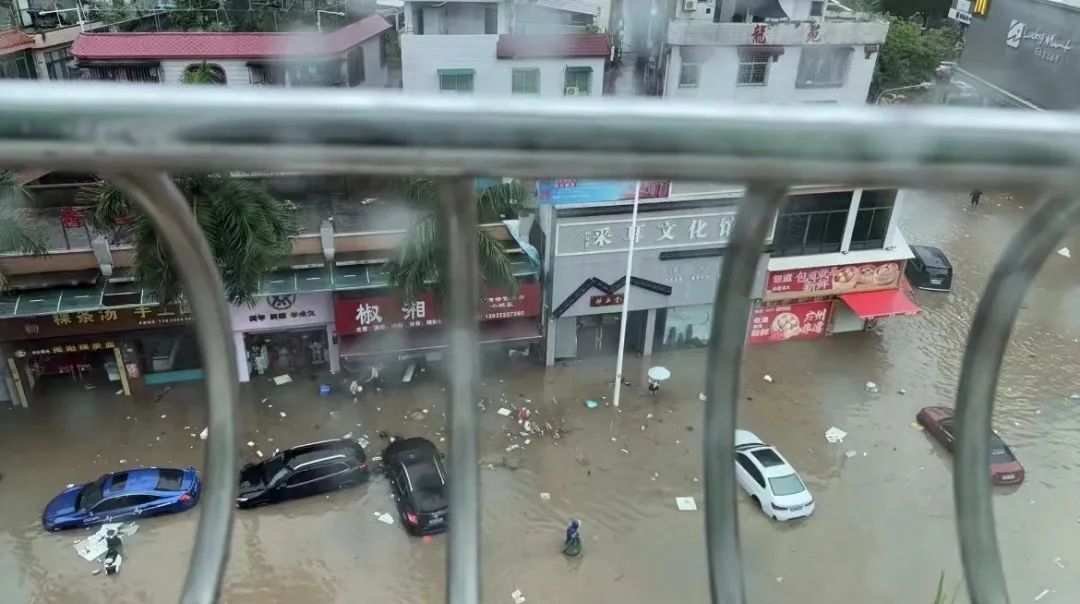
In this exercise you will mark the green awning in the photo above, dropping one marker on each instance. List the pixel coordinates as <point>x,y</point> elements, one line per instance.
<point>456,72</point>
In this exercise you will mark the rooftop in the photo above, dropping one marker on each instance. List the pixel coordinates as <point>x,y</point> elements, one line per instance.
<point>13,40</point>
<point>549,46</point>
<point>225,45</point>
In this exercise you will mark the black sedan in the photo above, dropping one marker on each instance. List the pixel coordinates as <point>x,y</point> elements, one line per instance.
<point>302,472</point>
<point>929,269</point>
<point>418,478</point>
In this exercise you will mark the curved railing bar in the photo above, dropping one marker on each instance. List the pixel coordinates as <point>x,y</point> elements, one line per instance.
<point>731,315</point>
<point>988,339</point>
<point>164,205</point>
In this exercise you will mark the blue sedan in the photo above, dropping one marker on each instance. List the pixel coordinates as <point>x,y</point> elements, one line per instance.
<point>123,496</point>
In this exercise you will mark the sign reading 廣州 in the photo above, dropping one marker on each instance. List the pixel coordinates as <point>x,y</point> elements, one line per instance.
<point>801,321</point>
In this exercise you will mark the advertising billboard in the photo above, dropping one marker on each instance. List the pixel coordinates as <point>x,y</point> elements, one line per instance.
<point>572,190</point>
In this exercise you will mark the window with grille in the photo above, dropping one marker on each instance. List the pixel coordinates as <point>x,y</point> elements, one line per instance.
<point>689,75</point>
<point>264,74</point>
<point>811,224</point>
<point>58,64</point>
<point>824,67</point>
<point>525,81</point>
<point>15,66</point>
<point>456,80</point>
<point>753,68</point>
<point>872,219</point>
<point>123,73</point>
<point>578,80</point>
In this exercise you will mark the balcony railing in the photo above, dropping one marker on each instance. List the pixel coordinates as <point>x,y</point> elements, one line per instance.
<point>702,33</point>
<point>134,135</point>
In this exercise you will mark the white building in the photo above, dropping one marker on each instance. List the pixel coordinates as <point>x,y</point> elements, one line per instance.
<point>501,47</point>
<point>770,51</point>
<point>355,55</point>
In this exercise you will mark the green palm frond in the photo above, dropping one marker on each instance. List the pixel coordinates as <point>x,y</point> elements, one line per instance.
<point>16,234</point>
<point>203,74</point>
<point>495,265</point>
<point>105,207</point>
<point>940,595</point>
<point>501,201</point>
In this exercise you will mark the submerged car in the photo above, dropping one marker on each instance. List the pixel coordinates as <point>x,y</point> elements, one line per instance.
<point>418,478</point>
<point>303,471</point>
<point>769,479</point>
<point>123,496</point>
<point>1005,469</point>
<point>929,269</point>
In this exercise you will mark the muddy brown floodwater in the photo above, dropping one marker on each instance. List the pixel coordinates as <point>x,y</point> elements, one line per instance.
<point>882,532</point>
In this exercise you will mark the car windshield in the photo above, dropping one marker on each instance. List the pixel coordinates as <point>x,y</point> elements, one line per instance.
<point>91,494</point>
<point>999,452</point>
<point>786,485</point>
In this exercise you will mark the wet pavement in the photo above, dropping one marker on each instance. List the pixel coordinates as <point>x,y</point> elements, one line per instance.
<point>882,531</point>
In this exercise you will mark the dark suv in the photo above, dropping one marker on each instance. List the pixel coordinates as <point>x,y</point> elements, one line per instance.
<point>302,472</point>
<point>929,269</point>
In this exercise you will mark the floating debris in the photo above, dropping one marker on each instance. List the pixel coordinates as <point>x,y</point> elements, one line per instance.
<point>282,379</point>
<point>835,435</point>
<point>1064,253</point>
<point>871,387</point>
<point>686,504</point>
<point>767,378</point>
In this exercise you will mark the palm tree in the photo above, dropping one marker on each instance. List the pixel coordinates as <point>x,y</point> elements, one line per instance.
<point>16,235</point>
<point>247,229</point>
<point>416,266</point>
<point>203,74</point>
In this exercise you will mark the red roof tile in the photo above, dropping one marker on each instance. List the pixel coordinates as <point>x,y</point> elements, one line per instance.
<point>224,45</point>
<point>540,46</point>
<point>13,40</point>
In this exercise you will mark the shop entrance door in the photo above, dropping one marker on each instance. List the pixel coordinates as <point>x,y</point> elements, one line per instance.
<point>598,335</point>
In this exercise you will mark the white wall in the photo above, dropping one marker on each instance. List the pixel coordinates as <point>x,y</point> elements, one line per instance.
<point>424,56</point>
<point>236,70</point>
<point>703,10</point>
<point>375,75</point>
<point>720,70</point>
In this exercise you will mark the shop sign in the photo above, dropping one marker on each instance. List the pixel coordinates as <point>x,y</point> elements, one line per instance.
<point>94,321</point>
<point>832,280</point>
<point>283,311</point>
<point>62,348</point>
<point>606,300</point>
<point>1046,46</point>
<point>572,190</point>
<point>804,321</point>
<point>575,239</point>
<point>380,313</point>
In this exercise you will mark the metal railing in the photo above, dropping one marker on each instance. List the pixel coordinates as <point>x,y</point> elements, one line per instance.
<point>134,135</point>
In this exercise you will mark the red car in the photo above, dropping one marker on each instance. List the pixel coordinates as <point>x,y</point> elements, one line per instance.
<point>1004,467</point>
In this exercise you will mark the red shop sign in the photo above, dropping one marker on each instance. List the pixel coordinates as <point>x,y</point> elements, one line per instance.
<point>804,321</point>
<point>829,280</point>
<point>379,313</point>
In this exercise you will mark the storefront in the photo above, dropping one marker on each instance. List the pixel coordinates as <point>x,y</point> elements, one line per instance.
<point>285,333</point>
<point>129,348</point>
<point>382,325</point>
<point>678,252</point>
<point>815,302</point>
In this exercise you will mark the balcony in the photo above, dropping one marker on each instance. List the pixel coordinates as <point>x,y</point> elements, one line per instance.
<point>693,33</point>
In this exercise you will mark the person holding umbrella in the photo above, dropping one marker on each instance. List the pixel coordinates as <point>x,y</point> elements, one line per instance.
<point>657,375</point>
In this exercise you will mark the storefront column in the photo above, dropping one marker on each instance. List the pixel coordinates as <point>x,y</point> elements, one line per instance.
<point>333,349</point>
<point>849,225</point>
<point>131,377</point>
<point>894,220</point>
<point>241,357</point>
<point>549,344</point>
<point>650,330</point>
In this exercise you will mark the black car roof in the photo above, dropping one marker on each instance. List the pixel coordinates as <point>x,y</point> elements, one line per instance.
<point>931,256</point>
<point>324,449</point>
<point>407,448</point>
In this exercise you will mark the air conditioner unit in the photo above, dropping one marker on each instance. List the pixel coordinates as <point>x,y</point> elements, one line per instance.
<point>689,4</point>
<point>572,91</point>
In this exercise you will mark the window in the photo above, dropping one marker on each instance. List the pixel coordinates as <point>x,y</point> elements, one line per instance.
<point>15,67</point>
<point>456,80</point>
<point>525,81</point>
<point>316,473</point>
<point>491,19</point>
<point>753,68</point>
<point>119,481</point>
<point>946,427</point>
<point>355,65</point>
<point>58,64</point>
<point>120,503</point>
<point>825,67</point>
<point>263,74</point>
<point>689,75</point>
<point>750,468</point>
<point>170,480</point>
<point>817,8</point>
<point>203,73</point>
<point>872,219</point>
<point>577,81</point>
<point>811,224</point>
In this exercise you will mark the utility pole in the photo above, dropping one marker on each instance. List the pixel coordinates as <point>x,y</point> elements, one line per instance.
<point>626,296</point>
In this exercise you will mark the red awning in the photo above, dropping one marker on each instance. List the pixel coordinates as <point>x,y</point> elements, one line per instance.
<point>884,303</point>
<point>401,341</point>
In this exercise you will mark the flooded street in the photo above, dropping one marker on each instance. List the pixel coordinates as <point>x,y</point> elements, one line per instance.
<point>882,532</point>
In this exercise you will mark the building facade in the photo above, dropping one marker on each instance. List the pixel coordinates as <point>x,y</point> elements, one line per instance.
<point>353,56</point>
<point>285,333</point>
<point>1019,54</point>
<point>502,47</point>
<point>766,51</point>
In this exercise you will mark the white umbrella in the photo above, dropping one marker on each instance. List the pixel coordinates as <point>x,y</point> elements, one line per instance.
<point>659,374</point>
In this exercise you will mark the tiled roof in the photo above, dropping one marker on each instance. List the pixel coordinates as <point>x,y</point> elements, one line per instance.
<point>217,45</point>
<point>539,46</point>
<point>13,40</point>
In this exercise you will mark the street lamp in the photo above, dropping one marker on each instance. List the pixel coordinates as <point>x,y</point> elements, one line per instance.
<point>319,14</point>
<point>919,86</point>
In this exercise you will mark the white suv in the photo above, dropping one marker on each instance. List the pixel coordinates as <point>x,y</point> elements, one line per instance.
<point>769,479</point>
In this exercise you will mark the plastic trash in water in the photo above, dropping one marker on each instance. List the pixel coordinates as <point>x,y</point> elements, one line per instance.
<point>686,504</point>
<point>871,387</point>
<point>503,411</point>
<point>517,596</point>
<point>835,435</point>
<point>547,497</point>
<point>1064,252</point>
<point>282,379</point>
<point>767,378</point>
<point>384,518</point>
<point>205,433</point>
<point>591,404</point>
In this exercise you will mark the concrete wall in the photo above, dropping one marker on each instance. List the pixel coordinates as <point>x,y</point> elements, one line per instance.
<point>376,75</point>
<point>718,79</point>
<point>423,57</point>
<point>704,10</point>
